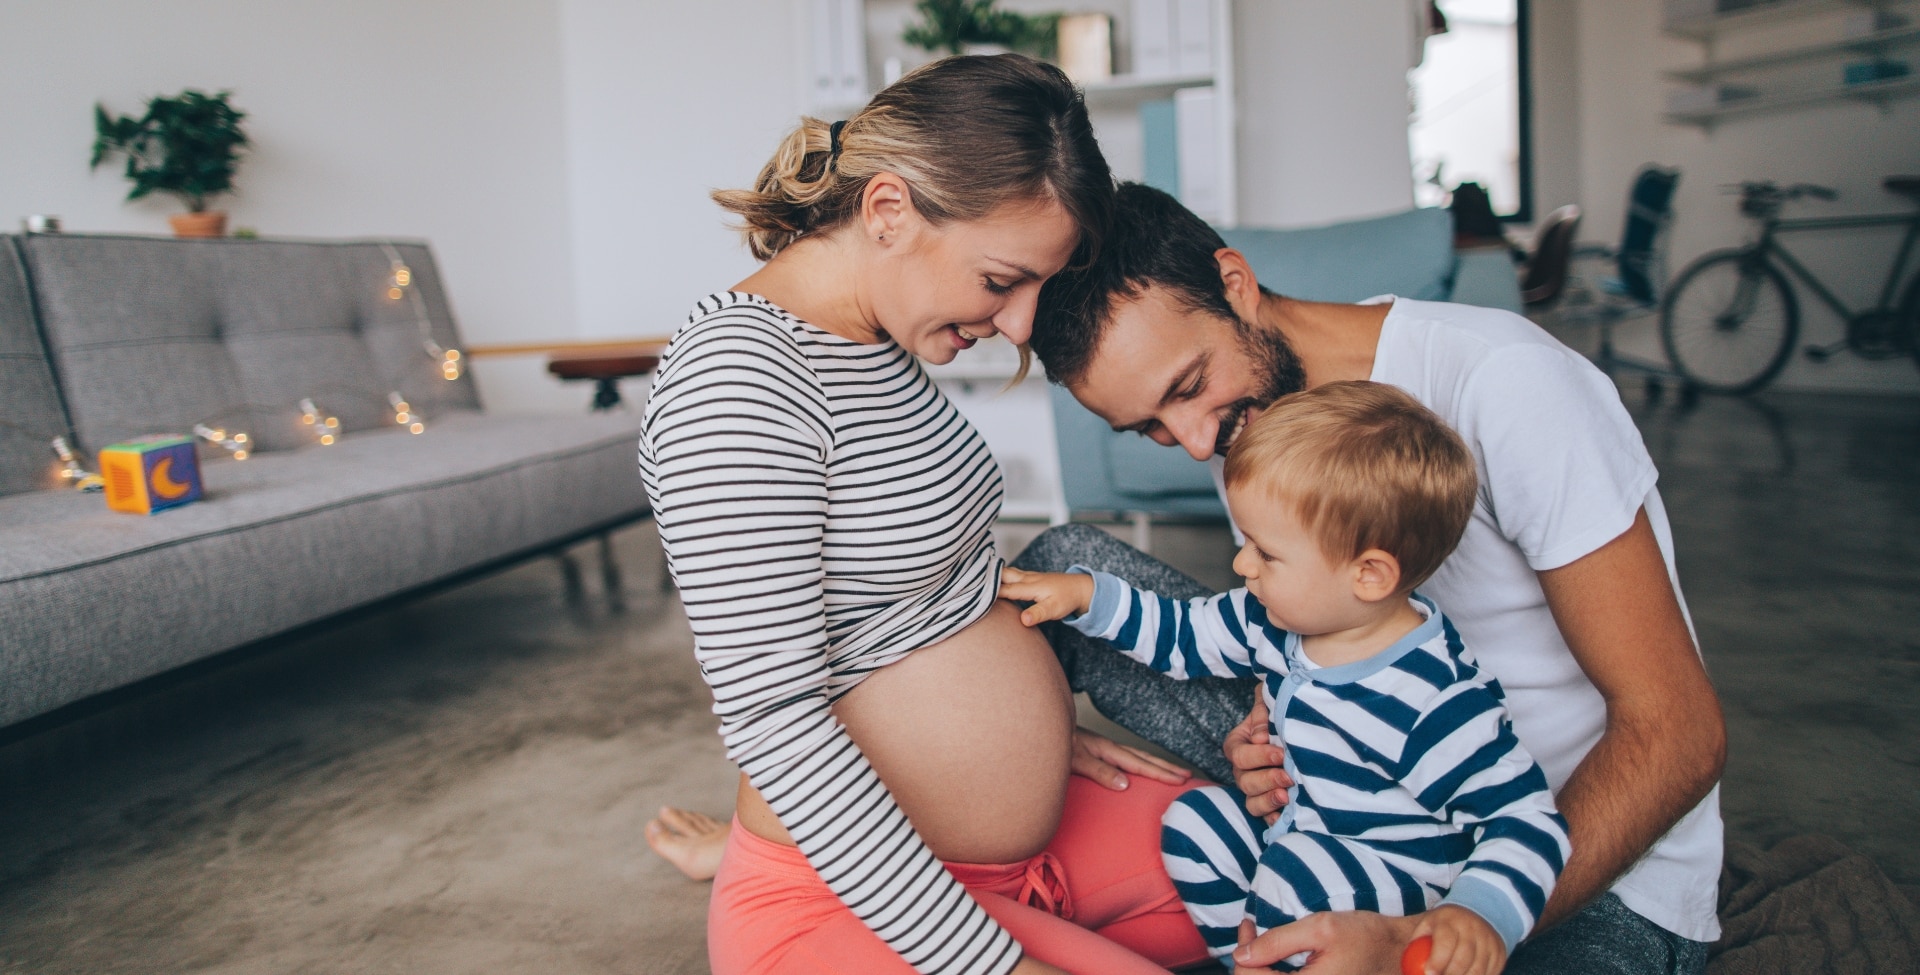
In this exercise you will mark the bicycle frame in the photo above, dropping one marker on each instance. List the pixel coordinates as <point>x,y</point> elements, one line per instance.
<point>1768,246</point>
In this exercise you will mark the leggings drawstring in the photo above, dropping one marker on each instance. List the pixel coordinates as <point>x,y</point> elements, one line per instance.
<point>1046,887</point>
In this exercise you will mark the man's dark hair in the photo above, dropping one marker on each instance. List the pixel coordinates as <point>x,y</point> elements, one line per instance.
<point>1151,239</point>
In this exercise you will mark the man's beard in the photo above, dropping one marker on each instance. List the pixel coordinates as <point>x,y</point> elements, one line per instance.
<point>1268,356</point>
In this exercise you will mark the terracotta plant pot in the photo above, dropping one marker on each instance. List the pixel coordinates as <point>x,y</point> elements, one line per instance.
<point>206,223</point>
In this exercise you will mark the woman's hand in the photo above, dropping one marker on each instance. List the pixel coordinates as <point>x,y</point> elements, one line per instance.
<point>1257,763</point>
<point>1107,761</point>
<point>1054,595</point>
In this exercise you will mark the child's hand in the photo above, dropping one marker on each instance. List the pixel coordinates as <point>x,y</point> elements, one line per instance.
<point>1054,595</point>
<point>1463,942</point>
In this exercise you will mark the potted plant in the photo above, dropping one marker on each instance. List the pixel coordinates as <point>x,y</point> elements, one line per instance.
<point>188,145</point>
<point>953,25</point>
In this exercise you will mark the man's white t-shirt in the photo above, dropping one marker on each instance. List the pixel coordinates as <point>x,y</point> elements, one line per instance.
<point>1563,471</point>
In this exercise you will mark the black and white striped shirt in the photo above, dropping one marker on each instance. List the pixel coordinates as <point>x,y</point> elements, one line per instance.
<point>825,512</point>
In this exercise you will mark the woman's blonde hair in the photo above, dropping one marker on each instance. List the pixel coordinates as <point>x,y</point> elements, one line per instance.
<point>1363,465</point>
<point>967,134</point>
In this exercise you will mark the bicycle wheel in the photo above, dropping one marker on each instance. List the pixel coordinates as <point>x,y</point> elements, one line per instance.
<point>1730,321</point>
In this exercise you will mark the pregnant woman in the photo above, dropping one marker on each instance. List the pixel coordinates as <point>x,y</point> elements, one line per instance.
<point>905,803</point>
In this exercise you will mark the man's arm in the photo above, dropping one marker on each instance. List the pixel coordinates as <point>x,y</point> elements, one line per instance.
<point>1661,752</point>
<point>1665,741</point>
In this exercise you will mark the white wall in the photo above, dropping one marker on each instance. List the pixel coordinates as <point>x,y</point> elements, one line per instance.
<point>1323,110</point>
<point>664,103</point>
<point>433,118</point>
<point>1850,146</point>
<point>558,153</point>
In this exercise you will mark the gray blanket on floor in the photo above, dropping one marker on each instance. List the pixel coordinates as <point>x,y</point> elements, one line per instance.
<point>1810,906</point>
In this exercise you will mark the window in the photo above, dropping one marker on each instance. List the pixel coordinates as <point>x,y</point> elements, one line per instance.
<point>1469,119</point>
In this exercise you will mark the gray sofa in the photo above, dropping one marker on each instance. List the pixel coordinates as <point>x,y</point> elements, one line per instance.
<point>103,338</point>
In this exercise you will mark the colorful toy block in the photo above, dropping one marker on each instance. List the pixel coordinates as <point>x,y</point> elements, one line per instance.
<point>150,474</point>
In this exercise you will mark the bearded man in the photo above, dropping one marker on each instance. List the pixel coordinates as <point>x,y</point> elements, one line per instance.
<point>1564,582</point>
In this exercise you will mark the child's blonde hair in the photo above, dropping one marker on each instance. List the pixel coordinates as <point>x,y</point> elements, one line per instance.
<point>1366,467</point>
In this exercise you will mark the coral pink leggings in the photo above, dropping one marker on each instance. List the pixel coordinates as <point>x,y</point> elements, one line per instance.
<point>1097,901</point>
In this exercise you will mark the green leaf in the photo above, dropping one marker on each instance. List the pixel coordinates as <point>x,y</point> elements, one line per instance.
<point>187,145</point>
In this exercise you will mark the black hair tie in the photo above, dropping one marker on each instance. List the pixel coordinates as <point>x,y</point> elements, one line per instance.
<point>833,140</point>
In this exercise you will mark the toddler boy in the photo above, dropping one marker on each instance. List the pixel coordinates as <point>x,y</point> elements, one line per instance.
<point>1411,793</point>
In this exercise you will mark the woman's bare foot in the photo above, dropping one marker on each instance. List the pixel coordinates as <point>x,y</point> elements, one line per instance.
<point>692,841</point>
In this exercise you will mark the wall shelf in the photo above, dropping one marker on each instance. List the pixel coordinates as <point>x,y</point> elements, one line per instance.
<point>1788,77</point>
<point>1874,43</point>
<point>1706,28</point>
<point>1122,86</point>
<point>1877,92</point>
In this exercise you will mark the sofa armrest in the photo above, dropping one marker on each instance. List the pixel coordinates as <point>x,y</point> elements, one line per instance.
<point>1485,276</point>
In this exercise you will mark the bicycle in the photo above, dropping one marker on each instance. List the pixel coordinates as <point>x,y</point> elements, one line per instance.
<point>1731,320</point>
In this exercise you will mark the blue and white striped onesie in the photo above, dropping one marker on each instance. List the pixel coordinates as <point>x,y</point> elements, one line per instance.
<point>1410,789</point>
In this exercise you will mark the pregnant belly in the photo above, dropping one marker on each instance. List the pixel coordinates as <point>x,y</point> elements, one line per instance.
<point>973,736</point>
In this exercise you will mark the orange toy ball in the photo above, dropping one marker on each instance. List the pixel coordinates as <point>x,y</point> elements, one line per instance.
<point>1414,960</point>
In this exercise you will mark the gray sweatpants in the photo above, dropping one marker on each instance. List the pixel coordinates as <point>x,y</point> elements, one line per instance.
<point>1188,718</point>
<point>1191,718</point>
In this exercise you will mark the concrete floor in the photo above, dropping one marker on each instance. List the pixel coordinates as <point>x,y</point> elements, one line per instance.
<point>459,785</point>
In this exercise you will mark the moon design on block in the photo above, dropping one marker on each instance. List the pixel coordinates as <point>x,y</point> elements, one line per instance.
<point>163,483</point>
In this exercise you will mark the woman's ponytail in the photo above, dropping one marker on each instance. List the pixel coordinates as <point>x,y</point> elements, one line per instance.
<point>784,204</point>
<point>967,134</point>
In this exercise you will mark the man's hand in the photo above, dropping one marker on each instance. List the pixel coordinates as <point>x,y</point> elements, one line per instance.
<point>1054,595</point>
<point>1257,763</point>
<point>1341,943</point>
<point>1463,942</point>
<point>1107,761</point>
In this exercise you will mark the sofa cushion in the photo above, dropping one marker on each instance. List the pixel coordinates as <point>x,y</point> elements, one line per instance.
<point>30,412</point>
<point>1145,470</point>
<point>1407,254</point>
<point>1102,470</point>
<point>154,335</point>
<point>91,599</point>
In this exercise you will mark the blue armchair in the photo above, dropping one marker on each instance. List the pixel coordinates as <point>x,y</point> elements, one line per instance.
<point>1408,254</point>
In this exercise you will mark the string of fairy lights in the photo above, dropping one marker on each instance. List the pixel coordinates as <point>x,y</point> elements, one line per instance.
<point>324,427</point>
<point>400,287</point>
<point>71,470</point>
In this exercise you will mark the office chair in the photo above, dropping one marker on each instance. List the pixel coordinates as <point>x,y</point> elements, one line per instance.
<point>1550,259</point>
<point>1607,285</point>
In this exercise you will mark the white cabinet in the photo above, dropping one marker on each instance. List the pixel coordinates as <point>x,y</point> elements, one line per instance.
<point>1193,22</point>
<point>1172,38</point>
<point>1197,145</point>
<point>837,60</point>
<point>1017,423</point>
<point>1152,30</point>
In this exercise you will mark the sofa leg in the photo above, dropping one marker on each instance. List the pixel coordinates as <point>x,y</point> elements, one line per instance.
<point>610,575</point>
<point>1142,531</point>
<point>570,578</point>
